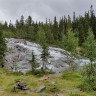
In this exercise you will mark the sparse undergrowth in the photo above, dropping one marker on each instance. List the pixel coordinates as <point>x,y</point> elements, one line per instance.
<point>66,84</point>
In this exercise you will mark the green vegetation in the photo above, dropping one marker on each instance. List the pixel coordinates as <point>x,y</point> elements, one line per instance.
<point>77,36</point>
<point>33,62</point>
<point>52,32</point>
<point>89,49</point>
<point>44,56</point>
<point>2,48</point>
<point>70,41</point>
<point>67,84</point>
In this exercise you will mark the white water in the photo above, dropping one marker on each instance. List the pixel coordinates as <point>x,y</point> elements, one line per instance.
<point>57,60</point>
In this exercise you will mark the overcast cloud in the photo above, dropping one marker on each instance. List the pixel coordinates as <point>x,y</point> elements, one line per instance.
<point>42,9</point>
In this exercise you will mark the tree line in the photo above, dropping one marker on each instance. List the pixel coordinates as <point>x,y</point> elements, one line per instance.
<point>52,32</point>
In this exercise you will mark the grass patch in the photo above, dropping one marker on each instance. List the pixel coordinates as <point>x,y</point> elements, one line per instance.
<point>63,85</point>
<point>71,75</point>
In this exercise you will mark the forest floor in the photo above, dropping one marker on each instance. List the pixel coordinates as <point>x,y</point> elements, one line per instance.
<point>67,86</point>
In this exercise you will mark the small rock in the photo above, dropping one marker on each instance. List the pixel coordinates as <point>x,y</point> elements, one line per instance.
<point>77,89</point>
<point>41,88</point>
<point>53,82</point>
<point>59,95</point>
<point>43,94</point>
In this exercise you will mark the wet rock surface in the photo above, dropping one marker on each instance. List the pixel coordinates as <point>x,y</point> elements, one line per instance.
<point>20,52</point>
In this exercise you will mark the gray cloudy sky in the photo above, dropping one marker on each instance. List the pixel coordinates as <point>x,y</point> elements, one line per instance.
<point>42,9</point>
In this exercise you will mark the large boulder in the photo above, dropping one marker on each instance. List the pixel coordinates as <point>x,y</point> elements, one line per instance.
<point>20,85</point>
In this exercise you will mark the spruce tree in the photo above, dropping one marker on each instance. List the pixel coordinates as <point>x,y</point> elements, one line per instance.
<point>29,21</point>
<point>36,28</point>
<point>33,62</point>
<point>61,30</point>
<point>89,50</point>
<point>2,48</point>
<point>55,29</point>
<point>41,37</point>
<point>70,41</point>
<point>44,56</point>
<point>81,30</point>
<point>70,44</point>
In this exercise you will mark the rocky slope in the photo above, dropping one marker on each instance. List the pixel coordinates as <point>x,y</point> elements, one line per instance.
<point>20,52</point>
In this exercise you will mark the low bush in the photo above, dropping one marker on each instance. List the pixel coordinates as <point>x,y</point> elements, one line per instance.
<point>71,76</point>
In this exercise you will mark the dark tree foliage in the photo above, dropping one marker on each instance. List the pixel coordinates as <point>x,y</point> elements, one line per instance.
<point>33,62</point>
<point>54,31</point>
<point>44,56</point>
<point>2,48</point>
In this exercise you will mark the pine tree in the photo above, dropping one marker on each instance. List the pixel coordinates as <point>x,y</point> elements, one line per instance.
<point>36,28</point>
<point>44,56</point>
<point>89,49</point>
<point>5,26</point>
<point>48,33</point>
<point>22,21</point>
<point>29,21</point>
<point>69,24</point>
<point>81,30</point>
<point>70,44</point>
<point>86,24</point>
<point>41,37</point>
<point>93,20</point>
<point>70,41</point>
<point>2,48</point>
<point>55,29</point>
<point>33,62</point>
<point>61,30</point>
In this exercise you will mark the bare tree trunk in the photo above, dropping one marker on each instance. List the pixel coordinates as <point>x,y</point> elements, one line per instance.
<point>92,72</point>
<point>42,68</point>
<point>32,68</point>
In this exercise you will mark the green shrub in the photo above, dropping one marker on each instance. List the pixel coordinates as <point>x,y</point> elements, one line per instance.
<point>88,83</point>
<point>88,86</point>
<point>17,73</point>
<point>71,76</point>
<point>37,73</point>
<point>52,88</point>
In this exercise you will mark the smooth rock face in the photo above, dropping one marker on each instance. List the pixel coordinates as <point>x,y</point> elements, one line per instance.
<point>20,52</point>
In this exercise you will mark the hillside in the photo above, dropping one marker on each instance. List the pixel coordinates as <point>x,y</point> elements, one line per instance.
<point>65,83</point>
<point>20,53</point>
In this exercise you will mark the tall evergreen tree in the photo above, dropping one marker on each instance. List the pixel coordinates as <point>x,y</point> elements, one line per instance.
<point>33,62</point>
<point>41,37</point>
<point>2,48</point>
<point>29,21</point>
<point>93,20</point>
<point>61,30</point>
<point>55,29</point>
<point>70,44</point>
<point>81,30</point>
<point>70,41</point>
<point>89,49</point>
<point>36,28</point>
<point>44,56</point>
<point>22,21</point>
<point>69,24</point>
